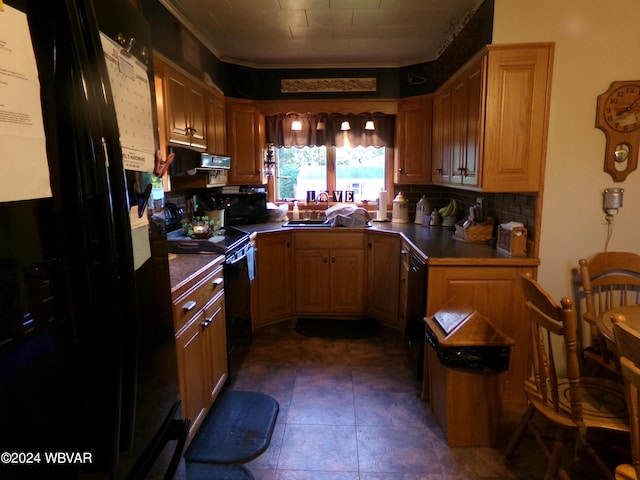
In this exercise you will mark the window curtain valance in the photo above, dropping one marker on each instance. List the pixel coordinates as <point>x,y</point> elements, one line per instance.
<point>325,129</point>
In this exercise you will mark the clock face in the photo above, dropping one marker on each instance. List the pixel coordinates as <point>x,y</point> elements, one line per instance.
<point>621,109</point>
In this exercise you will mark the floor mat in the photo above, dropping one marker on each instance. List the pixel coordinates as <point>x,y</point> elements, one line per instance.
<point>333,328</point>
<point>237,429</point>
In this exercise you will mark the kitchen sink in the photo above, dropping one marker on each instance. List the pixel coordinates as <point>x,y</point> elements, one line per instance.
<point>306,223</point>
<point>319,223</point>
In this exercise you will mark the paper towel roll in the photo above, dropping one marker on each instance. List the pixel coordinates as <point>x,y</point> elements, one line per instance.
<point>381,210</point>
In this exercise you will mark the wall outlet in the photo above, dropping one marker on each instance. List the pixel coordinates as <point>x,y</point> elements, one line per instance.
<point>480,201</point>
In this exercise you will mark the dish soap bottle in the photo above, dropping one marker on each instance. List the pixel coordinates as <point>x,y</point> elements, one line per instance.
<point>296,211</point>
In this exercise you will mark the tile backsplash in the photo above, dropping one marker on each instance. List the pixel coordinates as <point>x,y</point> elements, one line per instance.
<point>504,207</point>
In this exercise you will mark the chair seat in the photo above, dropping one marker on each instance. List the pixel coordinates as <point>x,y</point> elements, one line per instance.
<point>604,404</point>
<point>625,472</point>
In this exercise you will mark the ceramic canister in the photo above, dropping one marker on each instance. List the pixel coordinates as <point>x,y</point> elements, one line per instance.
<point>400,213</point>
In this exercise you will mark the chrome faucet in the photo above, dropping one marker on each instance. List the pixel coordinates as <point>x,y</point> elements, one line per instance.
<point>326,197</point>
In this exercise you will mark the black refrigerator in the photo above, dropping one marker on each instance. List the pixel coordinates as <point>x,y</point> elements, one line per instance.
<point>88,376</point>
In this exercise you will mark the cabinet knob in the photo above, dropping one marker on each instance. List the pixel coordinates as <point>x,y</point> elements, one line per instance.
<point>439,171</point>
<point>207,322</point>
<point>401,170</point>
<point>325,259</point>
<point>333,259</point>
<point>403,253</point>
<point>217,282</point>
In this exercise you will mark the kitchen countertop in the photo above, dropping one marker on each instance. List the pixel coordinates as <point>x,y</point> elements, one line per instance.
<point>436,244</point>
<point>183,268</point>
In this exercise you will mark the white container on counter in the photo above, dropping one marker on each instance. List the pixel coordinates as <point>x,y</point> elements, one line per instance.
<point>400,213</point>
<point>423,207</point>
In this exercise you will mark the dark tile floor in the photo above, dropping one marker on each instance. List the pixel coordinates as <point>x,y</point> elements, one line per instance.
<point>351,410</point>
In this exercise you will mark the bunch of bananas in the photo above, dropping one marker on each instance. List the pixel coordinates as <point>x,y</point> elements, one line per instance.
<point>451,210</point>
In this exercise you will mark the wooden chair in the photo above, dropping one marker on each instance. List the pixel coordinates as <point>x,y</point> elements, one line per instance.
<point>573,404</point>
<point>609,280</point>
<point>628,348</point>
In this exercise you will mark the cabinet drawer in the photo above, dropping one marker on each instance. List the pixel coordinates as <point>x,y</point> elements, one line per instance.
<point>324,240</point>
<point>187,305</point>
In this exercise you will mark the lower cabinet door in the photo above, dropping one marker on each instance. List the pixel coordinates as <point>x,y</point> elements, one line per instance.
<point>346,281</point>
<point>312,281</point>
<point>191,350</point>
<point>214,332</point>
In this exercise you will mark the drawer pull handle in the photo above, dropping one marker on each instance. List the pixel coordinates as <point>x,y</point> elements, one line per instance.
<point>217,282</point>
<point>190,305</point>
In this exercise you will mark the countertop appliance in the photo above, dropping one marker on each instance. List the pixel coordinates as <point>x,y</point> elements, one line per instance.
<point>87,361</point>
<point>242,208</point>
<point>238,273</point>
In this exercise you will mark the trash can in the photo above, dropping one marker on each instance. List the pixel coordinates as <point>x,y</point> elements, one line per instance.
<point>466,356</point>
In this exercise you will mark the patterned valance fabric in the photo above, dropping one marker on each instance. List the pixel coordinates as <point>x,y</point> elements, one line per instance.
<point>279,132</point>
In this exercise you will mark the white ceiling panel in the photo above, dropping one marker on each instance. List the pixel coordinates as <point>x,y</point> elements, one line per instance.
<point>304,33</point>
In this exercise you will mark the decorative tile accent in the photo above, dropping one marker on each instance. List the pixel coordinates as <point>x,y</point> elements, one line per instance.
<point>328,85</point>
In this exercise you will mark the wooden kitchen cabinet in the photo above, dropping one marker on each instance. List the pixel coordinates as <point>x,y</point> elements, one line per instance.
<point>466,104</point>
<point>274,274</point>
<point>216,122</point>
<point>413,141</point>
<point>329,273</point>
<point>245,143</point>
<point>184,109</point>
<point>199,319</point>
<point>383,283</point>
<point>491,119</point>
<point>494,291</point>
<point>516,117</point>
<point>441,142</point>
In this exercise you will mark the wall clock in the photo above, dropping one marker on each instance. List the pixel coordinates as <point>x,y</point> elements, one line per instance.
<point>618,116</point>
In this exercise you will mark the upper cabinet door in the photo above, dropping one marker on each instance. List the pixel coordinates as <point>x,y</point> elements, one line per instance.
<point>175,92</point>
<point>184,109</point>
<point>516,117</point>
<point>216,123</point>
<point>475,80</point>
<point>413,141</point>
<point>197,121</point>
<point>245,135</point>
<point>442,134</point>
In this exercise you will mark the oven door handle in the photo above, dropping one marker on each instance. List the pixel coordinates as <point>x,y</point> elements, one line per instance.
<point>235,260</point>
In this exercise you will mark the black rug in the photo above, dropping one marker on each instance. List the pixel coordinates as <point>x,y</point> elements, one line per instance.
<point>237,429</point>
<point>333,328</point>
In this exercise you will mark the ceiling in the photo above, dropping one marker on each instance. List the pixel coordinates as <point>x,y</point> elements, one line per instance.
<point>324,33</point>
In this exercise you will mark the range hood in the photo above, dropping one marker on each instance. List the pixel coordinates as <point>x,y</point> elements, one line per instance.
<point>190,162</point>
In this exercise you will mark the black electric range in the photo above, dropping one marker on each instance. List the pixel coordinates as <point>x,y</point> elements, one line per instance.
<point>232,240</point>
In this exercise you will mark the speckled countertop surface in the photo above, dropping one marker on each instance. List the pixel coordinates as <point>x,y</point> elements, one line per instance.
<point>182,268</point>
<point>436,244</point>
